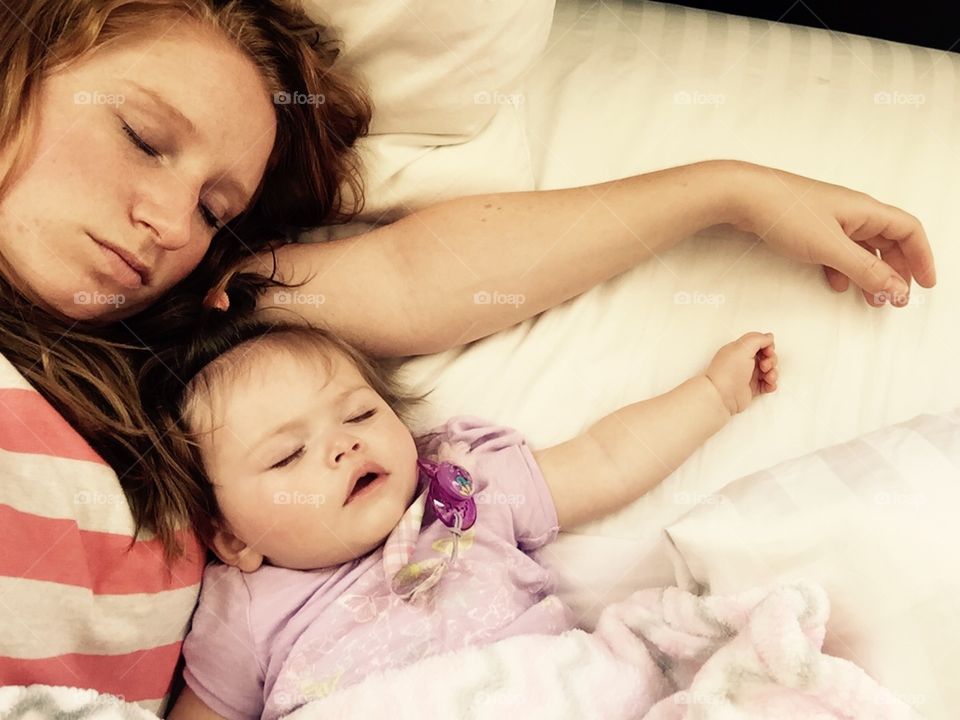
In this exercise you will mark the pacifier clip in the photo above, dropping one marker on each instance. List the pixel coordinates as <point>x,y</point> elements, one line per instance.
<point>449,494</point>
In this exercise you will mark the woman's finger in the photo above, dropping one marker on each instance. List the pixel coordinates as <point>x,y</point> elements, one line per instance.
<point>894,257</point>
<point>837,280</point>
<point>886,226</point>
<point>861,264</point>
<point>906,230</point>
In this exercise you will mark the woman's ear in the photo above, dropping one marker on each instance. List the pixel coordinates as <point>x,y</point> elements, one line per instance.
<point>235,552</point>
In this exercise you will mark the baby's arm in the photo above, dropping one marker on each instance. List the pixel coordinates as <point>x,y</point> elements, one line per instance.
<point>190,707</point>
<point>626,453</point>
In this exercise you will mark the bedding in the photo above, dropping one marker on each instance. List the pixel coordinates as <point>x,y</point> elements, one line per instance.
<point>660,655</point>
<point>874,521</point>
<point>443,79</point>
<point>600,103</point>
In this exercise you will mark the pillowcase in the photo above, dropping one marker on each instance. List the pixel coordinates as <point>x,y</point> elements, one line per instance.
<point>446,80</point>
<point>874,521</point>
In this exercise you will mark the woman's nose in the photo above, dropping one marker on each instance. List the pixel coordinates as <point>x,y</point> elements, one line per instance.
<point>168,209</point>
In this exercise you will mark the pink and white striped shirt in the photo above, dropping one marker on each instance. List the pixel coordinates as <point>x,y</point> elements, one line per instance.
<point>78,605</point>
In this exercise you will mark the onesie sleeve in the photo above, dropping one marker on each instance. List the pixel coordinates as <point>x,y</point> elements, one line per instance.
<point>222,665</point>
<point>509,483</point>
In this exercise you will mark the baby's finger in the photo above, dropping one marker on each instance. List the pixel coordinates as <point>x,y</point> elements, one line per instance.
<point>769,382</point>
<point>754,342</point>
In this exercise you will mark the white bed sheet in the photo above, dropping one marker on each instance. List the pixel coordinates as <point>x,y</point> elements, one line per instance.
<point>602,103</point>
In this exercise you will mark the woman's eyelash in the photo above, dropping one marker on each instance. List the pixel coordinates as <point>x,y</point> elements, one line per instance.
<point>289,459</point>
<point>209,218</point>
<point>368,414</point>
<point>138,141</point>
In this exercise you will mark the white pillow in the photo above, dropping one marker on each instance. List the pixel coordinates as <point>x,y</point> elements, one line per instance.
<point>875,521</point>
<point>446,80</point>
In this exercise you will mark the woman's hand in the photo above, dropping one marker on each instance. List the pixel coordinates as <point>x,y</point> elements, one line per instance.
<point>743,369</point>
<point>840,229</point>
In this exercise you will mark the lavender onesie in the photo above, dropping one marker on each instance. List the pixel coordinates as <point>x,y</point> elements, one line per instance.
<point>266,642</point>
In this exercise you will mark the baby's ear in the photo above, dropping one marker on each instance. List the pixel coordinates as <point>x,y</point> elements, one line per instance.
<point>235,552</point>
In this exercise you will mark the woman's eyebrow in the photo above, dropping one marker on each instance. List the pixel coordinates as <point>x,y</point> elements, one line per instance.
<point>241,194</point>
<point>181,119</point>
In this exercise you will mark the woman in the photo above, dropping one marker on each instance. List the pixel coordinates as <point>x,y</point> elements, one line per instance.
<point>142,158</point>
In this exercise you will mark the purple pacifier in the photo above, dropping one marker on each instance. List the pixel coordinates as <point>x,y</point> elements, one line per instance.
<point>450,493</point>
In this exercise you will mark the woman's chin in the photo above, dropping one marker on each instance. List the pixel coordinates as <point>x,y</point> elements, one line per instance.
<point>93,307</point>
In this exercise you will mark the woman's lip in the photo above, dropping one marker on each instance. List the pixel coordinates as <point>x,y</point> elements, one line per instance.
<point>120,269</point>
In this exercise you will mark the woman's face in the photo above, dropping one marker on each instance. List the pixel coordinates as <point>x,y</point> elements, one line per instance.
<point>140,146</point>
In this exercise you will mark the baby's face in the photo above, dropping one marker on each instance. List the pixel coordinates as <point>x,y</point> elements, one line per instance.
<point>289,440</point>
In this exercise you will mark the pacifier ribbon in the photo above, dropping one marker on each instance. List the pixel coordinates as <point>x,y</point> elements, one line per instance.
<point>448,493</point>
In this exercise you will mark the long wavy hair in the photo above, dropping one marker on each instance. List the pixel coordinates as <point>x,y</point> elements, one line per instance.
<point>89,373</point>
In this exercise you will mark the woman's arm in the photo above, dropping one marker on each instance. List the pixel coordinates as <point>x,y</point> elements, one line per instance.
<point>466,268</point>
<point>416,286</point>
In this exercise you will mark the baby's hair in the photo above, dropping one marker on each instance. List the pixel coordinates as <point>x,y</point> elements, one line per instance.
<point>224,348</point>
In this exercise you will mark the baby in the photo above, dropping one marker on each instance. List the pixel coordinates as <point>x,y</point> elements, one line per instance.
<point>349,546</point>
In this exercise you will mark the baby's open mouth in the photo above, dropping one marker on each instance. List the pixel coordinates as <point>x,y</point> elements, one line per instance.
<point>362,482</point>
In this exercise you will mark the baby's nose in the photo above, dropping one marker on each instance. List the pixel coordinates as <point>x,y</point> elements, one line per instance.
<point>341,448</point>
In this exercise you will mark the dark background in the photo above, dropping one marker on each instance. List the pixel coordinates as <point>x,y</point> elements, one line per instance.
<point>935,25</point>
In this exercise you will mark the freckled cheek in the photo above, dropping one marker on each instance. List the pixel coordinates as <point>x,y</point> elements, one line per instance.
<point>175,266</point>
<point>184,261</point>
<point>89,162</point>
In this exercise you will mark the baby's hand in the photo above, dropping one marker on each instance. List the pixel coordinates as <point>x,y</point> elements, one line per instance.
<point>743,369</point>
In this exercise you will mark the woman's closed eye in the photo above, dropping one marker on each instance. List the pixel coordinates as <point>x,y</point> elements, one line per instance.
<point>211,220</point>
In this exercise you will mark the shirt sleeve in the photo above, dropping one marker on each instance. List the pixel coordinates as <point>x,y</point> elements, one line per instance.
<point>221,663</point>
<point>507,477</point>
